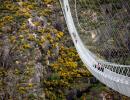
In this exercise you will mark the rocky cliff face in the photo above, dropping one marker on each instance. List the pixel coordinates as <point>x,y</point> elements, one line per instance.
<point>37,60</point>
<point>26,39</point>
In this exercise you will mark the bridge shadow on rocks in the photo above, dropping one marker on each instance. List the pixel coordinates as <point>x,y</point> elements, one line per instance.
<point>78,92</point>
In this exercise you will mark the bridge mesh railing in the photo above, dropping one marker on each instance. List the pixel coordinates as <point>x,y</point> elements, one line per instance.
<point>110,73</point>
<point>122,70</point>
<point>104,27</point>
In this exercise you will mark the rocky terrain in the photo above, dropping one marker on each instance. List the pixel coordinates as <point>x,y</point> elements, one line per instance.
<point>37,58</point>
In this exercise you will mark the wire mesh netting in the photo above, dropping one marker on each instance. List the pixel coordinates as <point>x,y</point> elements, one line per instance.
<point>104,27</point>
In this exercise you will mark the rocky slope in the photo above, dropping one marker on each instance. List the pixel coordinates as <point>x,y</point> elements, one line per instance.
<point>37,58</point>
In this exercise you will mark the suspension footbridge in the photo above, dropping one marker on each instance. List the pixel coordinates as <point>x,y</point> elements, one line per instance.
<point>100,31</point>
